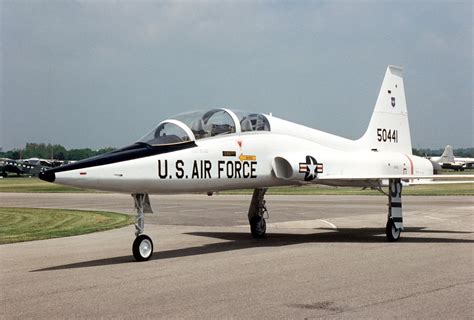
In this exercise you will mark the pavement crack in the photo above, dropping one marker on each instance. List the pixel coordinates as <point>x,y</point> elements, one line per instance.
<point>70,290</point>
<point>323,305</point>
<point>414,294</point>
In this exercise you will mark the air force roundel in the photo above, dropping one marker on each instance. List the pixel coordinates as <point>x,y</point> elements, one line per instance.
<point>310,168</point>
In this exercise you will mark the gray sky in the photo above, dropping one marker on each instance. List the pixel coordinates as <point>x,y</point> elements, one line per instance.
<point>96,74</point>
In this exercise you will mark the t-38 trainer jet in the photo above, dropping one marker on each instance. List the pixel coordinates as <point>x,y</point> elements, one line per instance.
<point>221,149</point>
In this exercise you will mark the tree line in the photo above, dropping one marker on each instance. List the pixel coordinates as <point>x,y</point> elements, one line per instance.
<point>52,151</point>
<point>58,152</point>
<point>460,152</point>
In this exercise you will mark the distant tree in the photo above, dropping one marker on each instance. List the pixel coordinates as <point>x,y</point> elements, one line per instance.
<point>12,154</point>
<point>460,152</point>
<point>60,156</point>
<point>58,152</point>
<point>79,154</point>
<point>464,152</point>
<point>105,150</point>
<point>44,151</point>
<point>49,151</point>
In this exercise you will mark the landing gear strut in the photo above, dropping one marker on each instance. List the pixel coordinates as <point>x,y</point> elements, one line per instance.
<point>258,213</point>
<point>142,247</point>
<point>395,215</point>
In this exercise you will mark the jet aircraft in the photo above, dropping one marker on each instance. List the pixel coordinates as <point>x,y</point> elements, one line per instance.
<point>448,161</point>
<point>222,149</point>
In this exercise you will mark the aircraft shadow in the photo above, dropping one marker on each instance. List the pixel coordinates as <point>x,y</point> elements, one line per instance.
<point>243,240</point>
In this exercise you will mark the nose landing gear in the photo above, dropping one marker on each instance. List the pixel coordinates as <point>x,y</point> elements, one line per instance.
<point>142,247</point>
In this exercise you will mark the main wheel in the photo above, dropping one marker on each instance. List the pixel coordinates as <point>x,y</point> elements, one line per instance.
<point>393,234</point>
<point>142,248</point>
<point>258,227</point>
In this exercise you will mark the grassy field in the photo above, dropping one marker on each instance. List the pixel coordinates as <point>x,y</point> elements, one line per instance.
<point>37,185</point>
<point>21,184</point>
<point>464,189</point>
<point>26,224</point>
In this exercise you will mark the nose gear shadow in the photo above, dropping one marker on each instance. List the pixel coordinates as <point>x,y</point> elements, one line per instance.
<point>242,240</point>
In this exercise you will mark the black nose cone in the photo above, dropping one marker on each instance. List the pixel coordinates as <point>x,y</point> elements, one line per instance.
<point>47,176</point>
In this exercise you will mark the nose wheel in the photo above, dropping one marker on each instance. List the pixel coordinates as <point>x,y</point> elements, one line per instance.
<point>142,248</point>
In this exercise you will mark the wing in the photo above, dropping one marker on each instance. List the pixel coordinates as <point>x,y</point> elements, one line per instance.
<point>367,180</point>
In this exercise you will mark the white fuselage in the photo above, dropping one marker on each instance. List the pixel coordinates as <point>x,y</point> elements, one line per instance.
<point>247,160</point>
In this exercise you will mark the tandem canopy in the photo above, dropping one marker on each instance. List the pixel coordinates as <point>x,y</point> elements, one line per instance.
<point>198,125</point>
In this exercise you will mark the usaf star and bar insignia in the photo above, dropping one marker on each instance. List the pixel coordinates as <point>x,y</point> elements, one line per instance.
<point>310,168</point>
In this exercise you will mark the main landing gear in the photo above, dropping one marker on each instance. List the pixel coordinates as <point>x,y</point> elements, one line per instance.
<point>395,215</point>
<point>258,213</point>
<point>142,247</point>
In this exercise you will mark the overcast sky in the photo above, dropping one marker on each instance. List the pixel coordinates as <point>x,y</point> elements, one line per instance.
<point>103,73</point>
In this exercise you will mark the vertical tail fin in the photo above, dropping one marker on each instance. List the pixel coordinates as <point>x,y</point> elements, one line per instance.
<point>448,155</point>
<point>388,128</point>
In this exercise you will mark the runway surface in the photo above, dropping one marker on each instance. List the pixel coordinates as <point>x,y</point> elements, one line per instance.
<point>323,257</point>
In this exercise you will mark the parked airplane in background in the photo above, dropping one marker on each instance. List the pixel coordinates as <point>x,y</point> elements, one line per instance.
<point>31,166</point>
<point>223,149</point>
<point>20,167</point>
<point>448,161</point>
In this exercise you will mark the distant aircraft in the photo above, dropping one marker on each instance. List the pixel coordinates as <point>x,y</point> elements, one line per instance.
<point>223,149</point>
<point>20,167</point>
<point>448,161</point>
<point>31,166</point>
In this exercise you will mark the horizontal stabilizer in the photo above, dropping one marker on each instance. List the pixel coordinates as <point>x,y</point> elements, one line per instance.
<point>449,178</point>
<point>430,182</point>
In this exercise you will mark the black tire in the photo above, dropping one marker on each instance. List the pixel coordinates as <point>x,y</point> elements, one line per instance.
<point>258,227</point>
<point>393,234</point>
<point>142,248</point>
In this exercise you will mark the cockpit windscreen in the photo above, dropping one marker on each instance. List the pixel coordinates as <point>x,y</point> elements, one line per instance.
<point>166,133</point>
<point>204,124</point>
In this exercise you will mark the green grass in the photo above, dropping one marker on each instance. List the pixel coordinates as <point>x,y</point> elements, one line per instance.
<point>22,184</point>
<point>27,224</point>
<point>464,189</point>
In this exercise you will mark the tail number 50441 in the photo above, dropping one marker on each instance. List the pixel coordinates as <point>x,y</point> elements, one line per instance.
<point>387,135</point>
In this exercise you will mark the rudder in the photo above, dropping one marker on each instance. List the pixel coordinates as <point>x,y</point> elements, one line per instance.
<point>389,129</point>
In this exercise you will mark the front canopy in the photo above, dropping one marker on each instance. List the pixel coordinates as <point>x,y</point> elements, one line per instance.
<point>198,125</point>
<point>168,132</point>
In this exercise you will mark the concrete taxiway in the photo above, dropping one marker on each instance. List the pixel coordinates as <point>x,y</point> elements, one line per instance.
<point>324,257</point>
